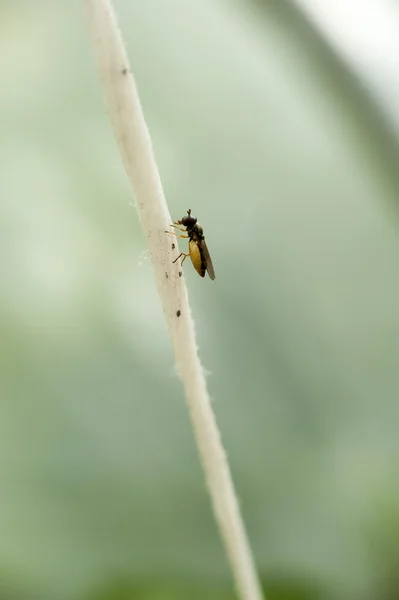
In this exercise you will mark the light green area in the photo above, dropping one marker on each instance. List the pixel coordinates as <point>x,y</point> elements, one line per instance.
<point>101,493</point>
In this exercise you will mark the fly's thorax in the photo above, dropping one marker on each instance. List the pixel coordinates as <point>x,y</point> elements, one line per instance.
<point>196,233</point>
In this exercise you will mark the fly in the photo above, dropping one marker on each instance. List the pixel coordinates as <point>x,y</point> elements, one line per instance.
<point>197,248</point>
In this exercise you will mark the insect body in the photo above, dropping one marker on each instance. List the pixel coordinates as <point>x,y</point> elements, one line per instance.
<point>197,248</point>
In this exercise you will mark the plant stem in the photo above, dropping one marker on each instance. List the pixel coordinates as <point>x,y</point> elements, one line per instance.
<point>134,142</point>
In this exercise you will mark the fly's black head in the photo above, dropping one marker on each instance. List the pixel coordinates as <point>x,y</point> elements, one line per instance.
<point>189,221</point>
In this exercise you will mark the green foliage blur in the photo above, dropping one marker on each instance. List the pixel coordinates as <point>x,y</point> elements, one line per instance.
<point>291,171</point>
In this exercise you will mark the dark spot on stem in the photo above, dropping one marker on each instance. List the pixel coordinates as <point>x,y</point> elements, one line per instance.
<point>180,273</point>
<point>173,246</point>
<point>166,275</point>
<point>124,71</point>
<point>178,313</point>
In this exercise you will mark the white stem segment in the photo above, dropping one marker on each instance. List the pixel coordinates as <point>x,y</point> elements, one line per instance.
<point>134,142</point>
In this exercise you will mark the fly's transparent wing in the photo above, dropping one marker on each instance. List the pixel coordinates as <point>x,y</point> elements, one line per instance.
<point>208,260</point>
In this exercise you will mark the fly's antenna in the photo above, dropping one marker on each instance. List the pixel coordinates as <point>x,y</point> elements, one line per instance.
<point>189,212</point>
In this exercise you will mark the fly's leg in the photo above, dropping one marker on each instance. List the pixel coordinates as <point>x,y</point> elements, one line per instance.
<point>176,234</point>
<point>181,254</point>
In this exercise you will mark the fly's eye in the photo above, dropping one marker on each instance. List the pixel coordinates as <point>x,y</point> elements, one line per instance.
<point>189,221</point>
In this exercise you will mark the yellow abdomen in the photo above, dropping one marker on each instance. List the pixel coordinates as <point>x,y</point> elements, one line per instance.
<point>196,257</point>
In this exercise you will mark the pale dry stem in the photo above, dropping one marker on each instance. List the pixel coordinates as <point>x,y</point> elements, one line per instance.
<point>134,142</point>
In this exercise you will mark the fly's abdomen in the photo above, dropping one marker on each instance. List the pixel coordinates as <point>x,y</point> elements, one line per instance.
<point>197,258</point>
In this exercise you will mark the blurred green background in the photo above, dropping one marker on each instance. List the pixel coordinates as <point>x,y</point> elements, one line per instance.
<point>292,170</point>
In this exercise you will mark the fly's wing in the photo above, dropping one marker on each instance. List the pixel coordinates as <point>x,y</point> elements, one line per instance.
<point>207,259</point>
